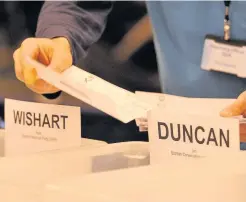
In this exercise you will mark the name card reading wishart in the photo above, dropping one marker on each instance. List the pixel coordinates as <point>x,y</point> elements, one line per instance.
<point>190,136</point>
<point>35,127</point>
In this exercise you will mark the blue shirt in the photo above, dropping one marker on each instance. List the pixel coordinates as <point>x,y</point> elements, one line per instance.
<point>179,32</point>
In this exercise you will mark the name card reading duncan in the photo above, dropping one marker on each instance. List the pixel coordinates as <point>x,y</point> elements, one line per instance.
<point>34,127</point>
<point>190,136</point>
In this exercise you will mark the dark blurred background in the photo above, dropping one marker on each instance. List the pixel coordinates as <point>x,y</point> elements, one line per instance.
<point>117,57</point>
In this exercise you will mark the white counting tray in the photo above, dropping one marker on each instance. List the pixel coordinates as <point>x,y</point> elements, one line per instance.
<point>179,181</point>
<point>23,178</point>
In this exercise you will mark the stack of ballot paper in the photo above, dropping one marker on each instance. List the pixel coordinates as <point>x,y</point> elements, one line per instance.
<point>184,105</point>
<point>204,180</point>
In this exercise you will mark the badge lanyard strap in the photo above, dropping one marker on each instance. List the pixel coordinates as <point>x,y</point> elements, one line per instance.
<point>227,25</point>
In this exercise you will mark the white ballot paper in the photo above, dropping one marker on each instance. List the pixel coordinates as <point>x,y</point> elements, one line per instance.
<point>35,127</point>
<point>157,100</point>
<point>199,106</point>
<point>113,100</point>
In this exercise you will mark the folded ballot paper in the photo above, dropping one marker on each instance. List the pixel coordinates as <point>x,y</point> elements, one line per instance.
<point>195,106</point>
<point>113,100</point>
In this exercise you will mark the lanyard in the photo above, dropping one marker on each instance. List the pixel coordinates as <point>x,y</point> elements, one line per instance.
<point>227,24</point>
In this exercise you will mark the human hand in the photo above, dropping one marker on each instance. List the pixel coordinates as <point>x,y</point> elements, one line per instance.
<point>237,108</point>
<point>142,124</point>
<point>53,53</point>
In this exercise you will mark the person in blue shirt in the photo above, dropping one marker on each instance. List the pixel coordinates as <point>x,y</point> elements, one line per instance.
<point>66,30</point>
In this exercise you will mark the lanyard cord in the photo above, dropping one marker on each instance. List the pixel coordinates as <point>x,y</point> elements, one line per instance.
<point>227,5</point>
<point>227,25</point>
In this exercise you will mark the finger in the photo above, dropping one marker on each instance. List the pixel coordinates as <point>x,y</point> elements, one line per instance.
<point>62,56</point>
<point>29,48</point>
<point>34,88</point>
<point>143,124</point>
<point>43,90</point>
<point>244,114</point>
<point>42,87</point>
<point>238,107</point>
<point>47,88</point>
<point>141,121</point>
<point>60,62</point>
<point>17,65</point>
<point>137,122</point>
<point>143,129</point>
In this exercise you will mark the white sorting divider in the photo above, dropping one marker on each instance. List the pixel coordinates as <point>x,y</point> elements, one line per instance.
<point>23,178</point>
<point>180,181</point>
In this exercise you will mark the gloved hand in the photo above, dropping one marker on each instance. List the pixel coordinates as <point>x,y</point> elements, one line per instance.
<point>53,53</point>
<point>237,108</point>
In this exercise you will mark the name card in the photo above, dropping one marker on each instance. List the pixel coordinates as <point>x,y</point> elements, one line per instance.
<point>35,127</point>
<point>175,134</point>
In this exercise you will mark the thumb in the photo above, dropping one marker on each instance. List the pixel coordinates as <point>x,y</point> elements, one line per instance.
<point>60,61</point>
<point>237,108</point>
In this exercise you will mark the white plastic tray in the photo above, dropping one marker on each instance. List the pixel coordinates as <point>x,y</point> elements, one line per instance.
<point>182,180</point>
<point>22,179</point>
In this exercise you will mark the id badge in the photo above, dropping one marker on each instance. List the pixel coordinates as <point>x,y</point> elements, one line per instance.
<point>224,56</point>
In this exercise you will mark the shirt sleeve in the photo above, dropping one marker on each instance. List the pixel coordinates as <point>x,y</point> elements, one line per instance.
<point>81,22</point>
